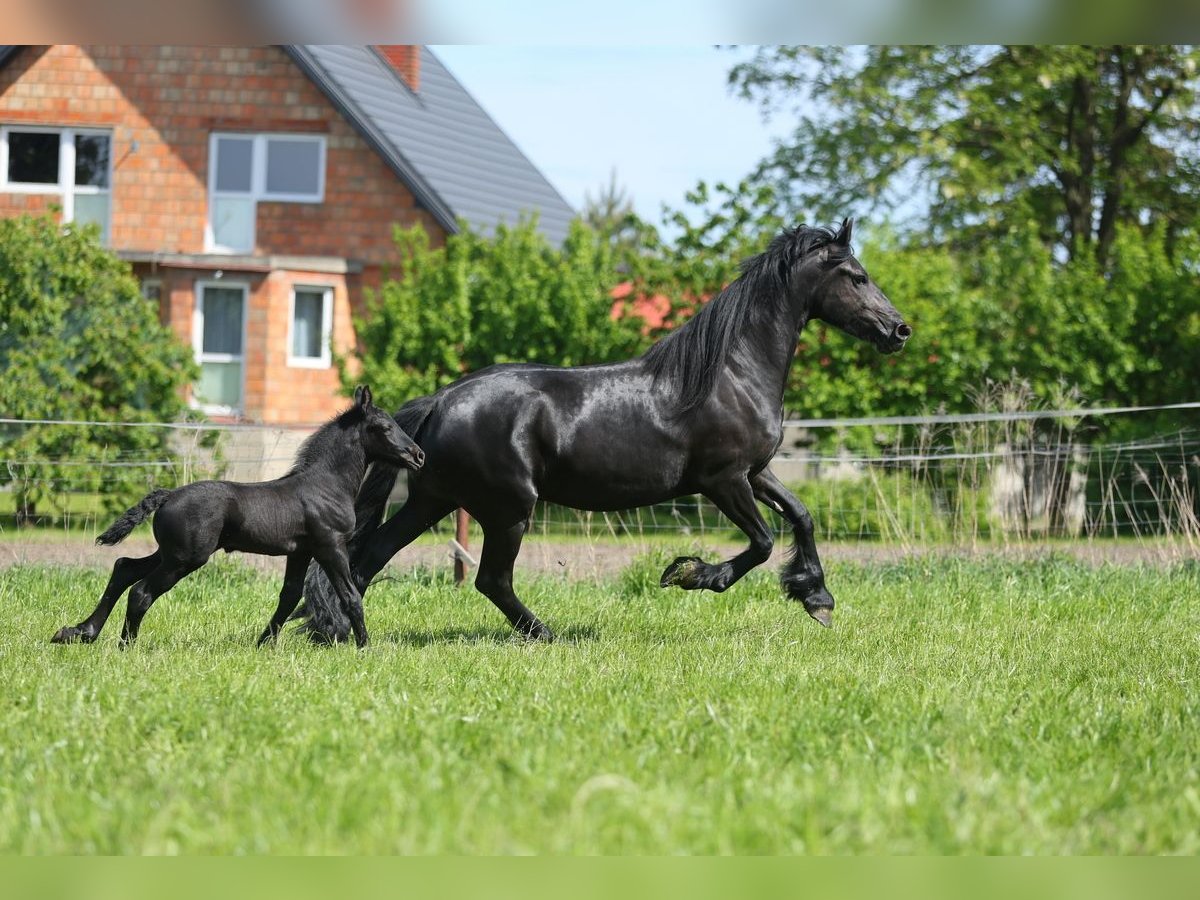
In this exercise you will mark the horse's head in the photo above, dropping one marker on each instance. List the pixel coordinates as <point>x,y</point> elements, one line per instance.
<point>844,295</point>
<point>382,438</point>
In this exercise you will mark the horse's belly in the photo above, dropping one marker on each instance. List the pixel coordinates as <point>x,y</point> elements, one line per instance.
<point>607,487</point>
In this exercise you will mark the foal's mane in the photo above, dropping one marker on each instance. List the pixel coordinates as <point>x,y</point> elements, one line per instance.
<point>692,355</point>
<point>326,441</point>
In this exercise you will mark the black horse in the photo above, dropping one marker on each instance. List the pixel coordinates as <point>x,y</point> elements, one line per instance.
<point>700,412</point>
<point>306,515</point>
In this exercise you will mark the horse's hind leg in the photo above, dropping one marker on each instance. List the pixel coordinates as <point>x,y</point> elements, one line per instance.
<point>289,595</point>
<point>126,571</point>
<point>501,544</point>
<point>802,578</point>
<point>142,597</point>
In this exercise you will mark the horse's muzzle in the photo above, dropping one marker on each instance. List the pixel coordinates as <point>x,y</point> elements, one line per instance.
<point>413,457</point>
<point>896,338</point>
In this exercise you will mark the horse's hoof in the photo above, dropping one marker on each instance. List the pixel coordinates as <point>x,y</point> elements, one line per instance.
<point>822,615</point>
<point>681,572</point>
<point>72,634</point>
<point>539,632</point>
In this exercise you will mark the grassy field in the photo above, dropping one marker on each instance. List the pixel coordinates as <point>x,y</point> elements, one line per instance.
<point>957,706</point>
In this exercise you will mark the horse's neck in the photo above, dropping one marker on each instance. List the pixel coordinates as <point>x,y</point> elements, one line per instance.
<point>347,465</point>
<point>762,357</point>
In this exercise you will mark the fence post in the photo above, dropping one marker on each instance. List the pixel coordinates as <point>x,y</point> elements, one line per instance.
<point>460,537</point>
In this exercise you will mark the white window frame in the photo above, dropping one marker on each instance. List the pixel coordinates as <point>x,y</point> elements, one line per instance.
<point>65,187</point>
<point>258,181</point>
<point>325,360</point>
<point>198,343</point>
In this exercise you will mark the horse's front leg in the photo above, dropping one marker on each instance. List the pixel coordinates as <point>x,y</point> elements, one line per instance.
<point>736,500</point>
<point>803,578</point>
<point>336,563</point>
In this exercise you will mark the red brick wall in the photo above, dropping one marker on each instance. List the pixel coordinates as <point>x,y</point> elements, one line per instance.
<point>167,101</point>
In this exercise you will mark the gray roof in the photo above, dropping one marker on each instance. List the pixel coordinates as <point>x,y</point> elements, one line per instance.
<point>458,162</point>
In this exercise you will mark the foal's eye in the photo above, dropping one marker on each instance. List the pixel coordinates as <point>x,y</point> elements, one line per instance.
<point>860,280</point>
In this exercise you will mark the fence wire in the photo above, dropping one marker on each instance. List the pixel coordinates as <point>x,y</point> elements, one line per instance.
<point>937,478</point>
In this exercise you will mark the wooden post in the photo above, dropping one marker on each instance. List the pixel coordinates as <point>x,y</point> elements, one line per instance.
<point>460,535</point>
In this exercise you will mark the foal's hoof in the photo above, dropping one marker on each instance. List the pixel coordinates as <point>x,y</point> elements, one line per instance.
<point>682,572</point>
<point>72,634</point>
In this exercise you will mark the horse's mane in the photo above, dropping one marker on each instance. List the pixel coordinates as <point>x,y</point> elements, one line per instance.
<point>326,440</point>
<point>692,356</point>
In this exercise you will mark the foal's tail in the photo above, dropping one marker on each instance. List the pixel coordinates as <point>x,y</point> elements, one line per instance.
<point>133,517</point>
<point>325,620</point>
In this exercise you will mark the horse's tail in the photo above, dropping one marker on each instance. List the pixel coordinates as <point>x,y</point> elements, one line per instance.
<point>133,517</point>
<point>325,620</point>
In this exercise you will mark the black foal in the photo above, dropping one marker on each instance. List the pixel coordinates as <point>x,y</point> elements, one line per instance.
<point>308,514</point>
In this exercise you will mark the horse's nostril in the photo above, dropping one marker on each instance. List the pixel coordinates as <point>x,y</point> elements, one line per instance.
<point>904,332</point>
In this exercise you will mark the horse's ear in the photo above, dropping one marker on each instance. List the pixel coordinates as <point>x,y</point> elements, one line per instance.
<point>843,235</point>
<point>362,395</point>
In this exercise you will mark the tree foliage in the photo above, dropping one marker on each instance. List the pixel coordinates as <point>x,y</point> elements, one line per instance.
<point>1080,140</point>
<point>479,300</point>
<point>78,342</point>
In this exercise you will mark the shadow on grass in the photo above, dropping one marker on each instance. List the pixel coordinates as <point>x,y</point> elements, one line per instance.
<point>501,635</point>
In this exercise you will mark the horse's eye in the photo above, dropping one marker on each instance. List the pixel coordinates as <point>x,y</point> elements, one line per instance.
<point>860,280</point>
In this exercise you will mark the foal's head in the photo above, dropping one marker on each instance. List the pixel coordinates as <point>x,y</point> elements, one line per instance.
<point>382,439</point>
<point>843,294</point>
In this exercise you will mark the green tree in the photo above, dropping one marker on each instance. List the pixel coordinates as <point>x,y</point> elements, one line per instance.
<point>79,342</point>
<point>1080,140</point>
<point>479,300</point>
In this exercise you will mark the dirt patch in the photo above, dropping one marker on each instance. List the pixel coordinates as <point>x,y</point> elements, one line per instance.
<point>579,559</point>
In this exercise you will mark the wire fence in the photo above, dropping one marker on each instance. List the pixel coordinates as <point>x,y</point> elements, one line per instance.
<point>998,474</point>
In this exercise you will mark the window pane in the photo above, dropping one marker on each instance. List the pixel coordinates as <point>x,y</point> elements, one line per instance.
<point>233,223</point>
<point>33,157</point>
<point>93,208</point>
<point>91,159</point>
<point>293,167</point>
<point>220,384</point>
<point>307,324</point>
<point>235,157</point>
<point>222,320</point>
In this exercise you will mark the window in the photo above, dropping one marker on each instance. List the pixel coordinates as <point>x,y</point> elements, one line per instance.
<point>311,323</point>
<point>74,163</point>
<point>247,168</point>
<point>152,289</point>
<point>218,334</point>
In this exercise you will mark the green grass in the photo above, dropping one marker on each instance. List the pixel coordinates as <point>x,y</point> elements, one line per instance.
<point>956,706</point>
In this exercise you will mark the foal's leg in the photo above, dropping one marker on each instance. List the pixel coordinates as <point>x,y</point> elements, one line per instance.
<point>336,563</point>
<point>289,595</point>
<point>142,597</point>
<point>126,571</point>
<point>501,544</point>
<point>736,500</point>
<point>802,578</point>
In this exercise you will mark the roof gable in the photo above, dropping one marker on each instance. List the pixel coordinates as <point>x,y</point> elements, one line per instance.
<point>441,141</point>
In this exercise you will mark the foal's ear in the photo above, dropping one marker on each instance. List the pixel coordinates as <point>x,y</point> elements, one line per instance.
<point>843,235</point>
<point>362,395</point>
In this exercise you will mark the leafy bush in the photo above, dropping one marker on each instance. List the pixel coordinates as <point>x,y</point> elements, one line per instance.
<point>478,300</point>
<point>78,341</point>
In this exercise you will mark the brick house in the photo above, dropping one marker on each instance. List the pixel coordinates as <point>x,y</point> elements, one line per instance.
<point>254,190</point>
